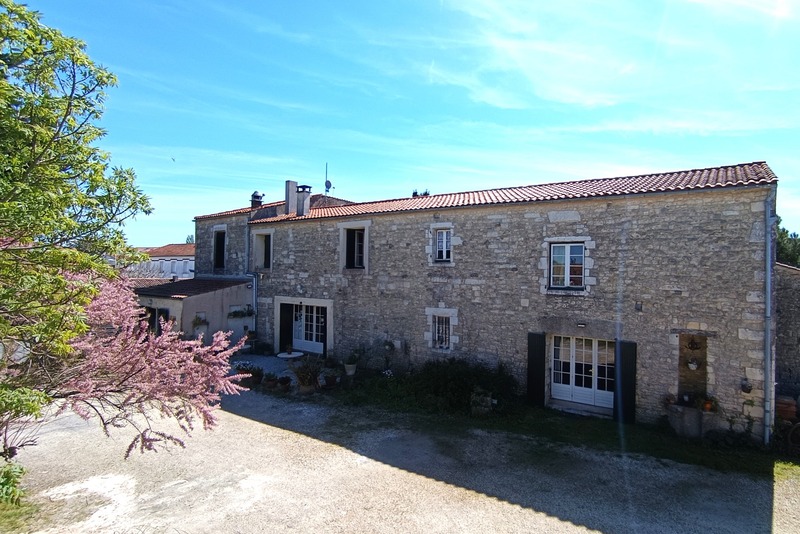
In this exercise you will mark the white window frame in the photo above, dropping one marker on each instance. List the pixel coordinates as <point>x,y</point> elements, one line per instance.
<point>443,245</point>
<point>570,356</point>
<point>567,254</point>
<point>353,225</point>
<point>436,317</point>
<point>259,249</point>
<point>324,303</point>
<point>432,249</point>
<point>546,266</point>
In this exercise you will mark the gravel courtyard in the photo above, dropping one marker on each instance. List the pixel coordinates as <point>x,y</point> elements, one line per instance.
<point>276,464</point>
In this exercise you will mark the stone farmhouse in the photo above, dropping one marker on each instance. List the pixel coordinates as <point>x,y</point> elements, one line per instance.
<point>626,297</point>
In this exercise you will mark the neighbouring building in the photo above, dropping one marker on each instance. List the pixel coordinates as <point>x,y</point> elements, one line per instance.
<point>169,261</point>
<point>609,295</point>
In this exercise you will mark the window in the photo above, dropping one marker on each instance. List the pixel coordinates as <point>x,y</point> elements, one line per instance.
<point>441,323</point>
<point>355,248</point>
<point>443,245</point>
<point>219,249</point>
<point>262,250</point>
<point>566,265</point>
<point>354,245</point>
<point>441,332</point>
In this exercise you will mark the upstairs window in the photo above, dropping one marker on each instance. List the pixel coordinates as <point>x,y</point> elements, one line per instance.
<point>219,250</point>
<point>443,250</point>
<point>354,248</point>
<point>354,245</point>
<point>566,266</point>
<point>262,251</point>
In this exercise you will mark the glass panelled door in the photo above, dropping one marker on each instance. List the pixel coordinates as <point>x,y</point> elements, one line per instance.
<point>308,328</point>
<point>583,370</point>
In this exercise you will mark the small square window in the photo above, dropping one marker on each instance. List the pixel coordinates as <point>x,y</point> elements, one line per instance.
<point>566,266</point>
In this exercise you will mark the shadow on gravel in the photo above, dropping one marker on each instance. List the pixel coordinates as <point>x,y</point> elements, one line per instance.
<point>607,492</point>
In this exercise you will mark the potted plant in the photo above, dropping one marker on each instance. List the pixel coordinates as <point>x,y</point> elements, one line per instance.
<point>270,380</point>
<point>351,363</point>
<point>307,371</point>
<point>284,383</point>
<point>331,376</point>
<point>252,375</point>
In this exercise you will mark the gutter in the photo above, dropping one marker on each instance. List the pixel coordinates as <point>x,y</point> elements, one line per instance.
<point>769,381</point>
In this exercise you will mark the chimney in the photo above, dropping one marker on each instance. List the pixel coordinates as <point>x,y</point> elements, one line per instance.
<point>290,207</point>
<point>303,199</point>
<point>255,199</point>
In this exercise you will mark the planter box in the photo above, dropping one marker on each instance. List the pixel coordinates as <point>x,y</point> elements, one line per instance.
<point>691,422</point>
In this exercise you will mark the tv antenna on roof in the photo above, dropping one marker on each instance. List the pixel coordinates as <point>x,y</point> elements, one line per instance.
<point>328,184</point>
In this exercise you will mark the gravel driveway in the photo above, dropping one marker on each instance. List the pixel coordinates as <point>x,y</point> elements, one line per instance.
<point>276,464</point>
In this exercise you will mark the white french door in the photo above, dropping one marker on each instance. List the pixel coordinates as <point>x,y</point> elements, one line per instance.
<point>582,370</point>
<point>308,328</point>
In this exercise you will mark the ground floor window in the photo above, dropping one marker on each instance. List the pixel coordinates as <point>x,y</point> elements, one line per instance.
<point>582,370</point>
<point>441,332</point>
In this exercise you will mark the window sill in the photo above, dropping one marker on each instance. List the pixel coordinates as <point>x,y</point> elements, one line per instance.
<point>577,292</point>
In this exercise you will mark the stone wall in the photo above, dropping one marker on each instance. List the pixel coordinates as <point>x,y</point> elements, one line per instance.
<point>236,235</point>
<point>657,266</point>
<point>787,346</point>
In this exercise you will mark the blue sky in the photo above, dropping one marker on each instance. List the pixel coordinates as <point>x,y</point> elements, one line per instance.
<point>218,98</point>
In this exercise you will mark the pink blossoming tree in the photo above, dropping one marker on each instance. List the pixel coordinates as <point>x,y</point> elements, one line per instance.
<point>124,374</point>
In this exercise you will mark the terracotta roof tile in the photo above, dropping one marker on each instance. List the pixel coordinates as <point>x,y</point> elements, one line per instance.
<point>317,200</point>
<point>743,174</point>
<point>175,249</point>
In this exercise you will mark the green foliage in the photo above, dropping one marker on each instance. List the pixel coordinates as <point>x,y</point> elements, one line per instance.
<point>256,374</point>
<point>21,402</point>
<point>61,204</point>
<point>444,386</point>
<point>10,477</point>
<point>788,246</point>
<point>447,385</point>
<point>307,370</point>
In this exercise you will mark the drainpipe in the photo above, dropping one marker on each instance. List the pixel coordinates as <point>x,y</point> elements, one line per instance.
<point>769,383</point>
<point>251,274</point>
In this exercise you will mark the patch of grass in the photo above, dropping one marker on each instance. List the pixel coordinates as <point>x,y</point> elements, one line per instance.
<point>404,394</point>
<point>15,518</point>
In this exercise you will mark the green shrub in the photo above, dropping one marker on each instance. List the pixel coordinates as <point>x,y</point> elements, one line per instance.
<point>444,386</point>
<point>10,477</point>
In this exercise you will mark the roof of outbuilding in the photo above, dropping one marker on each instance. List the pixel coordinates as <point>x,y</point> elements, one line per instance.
<point>175,249</point>
<point>190,287</point>
<point>744,174</point>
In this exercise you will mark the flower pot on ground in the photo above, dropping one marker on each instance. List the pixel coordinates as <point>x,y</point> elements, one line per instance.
<point>307,371</point>
<point>270,381</point>
<point>331,377</point>
<point>284,383</point>
<point>254,374</point>
<point>351,363</point>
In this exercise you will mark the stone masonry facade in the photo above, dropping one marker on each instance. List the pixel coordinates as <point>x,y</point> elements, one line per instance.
<point>656,266</point>
<point>659,268</point>
<point>787,372</point>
